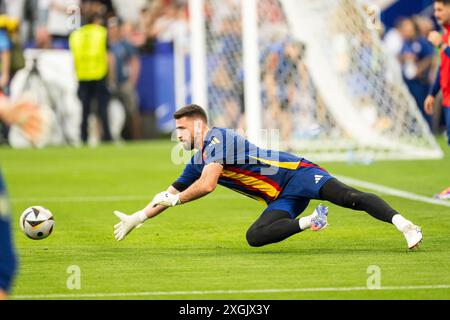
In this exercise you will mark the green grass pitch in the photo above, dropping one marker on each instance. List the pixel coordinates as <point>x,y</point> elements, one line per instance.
<point>201,246</point>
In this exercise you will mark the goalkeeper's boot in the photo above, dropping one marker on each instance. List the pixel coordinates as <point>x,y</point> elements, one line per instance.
<point>319,221</point>
<point>413,235</point>
<point>444,195</point>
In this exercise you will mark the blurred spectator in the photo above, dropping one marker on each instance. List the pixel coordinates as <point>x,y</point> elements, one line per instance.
<point>145,42</point>
<point>393,40</point>
<point>5,56</point>
<point>103,8</point>
<point>57,21</point>
<point>442,82</point>
<point>131,33</point>
<point>424,24</point>
<point>13,8</point>
<point>17,58</point>
<point>5,66</point>
<point>125,74</point>
<point>42,12</point>
<point>170,21</point>
<point>43,39</point>
<point>161,20</point>
<point>416,58</point>
<point>89,48</point>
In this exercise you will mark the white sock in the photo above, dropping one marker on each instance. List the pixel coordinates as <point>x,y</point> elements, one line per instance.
<point>305,222</point>
<point>400,222</point>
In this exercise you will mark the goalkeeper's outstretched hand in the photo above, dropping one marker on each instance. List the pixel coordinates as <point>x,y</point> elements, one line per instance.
<point>166,199</point>
<point>127,223</point>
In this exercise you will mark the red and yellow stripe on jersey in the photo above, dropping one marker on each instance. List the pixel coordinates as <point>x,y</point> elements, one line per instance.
<point>247,169</point>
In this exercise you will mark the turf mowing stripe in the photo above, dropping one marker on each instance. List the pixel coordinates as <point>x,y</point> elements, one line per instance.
<point>392,191</point>
<point>351,181</point>
<point>214,292</point>
<point>105,198</point>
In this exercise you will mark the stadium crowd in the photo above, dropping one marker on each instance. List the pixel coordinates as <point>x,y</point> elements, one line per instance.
<point>408,42</point>
<point>286,84</point>
<point>49,24</point>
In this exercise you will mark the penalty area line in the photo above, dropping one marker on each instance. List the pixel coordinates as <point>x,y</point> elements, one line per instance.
<point>224,292</point>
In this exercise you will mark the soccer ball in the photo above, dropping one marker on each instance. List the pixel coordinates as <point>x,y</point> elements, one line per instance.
<point>37,222</point>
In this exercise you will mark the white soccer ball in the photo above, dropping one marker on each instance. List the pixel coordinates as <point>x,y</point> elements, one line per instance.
<point>37,222</point>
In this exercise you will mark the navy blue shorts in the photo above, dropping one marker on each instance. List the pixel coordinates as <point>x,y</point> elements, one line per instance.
<point>301,189</point>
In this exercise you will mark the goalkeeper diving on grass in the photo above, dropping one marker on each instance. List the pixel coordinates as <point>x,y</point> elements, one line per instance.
<point>284,182</point>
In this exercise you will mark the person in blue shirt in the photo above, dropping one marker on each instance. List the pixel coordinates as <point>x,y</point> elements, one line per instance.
<point>27,116</point>
<point>416,58</point>
<point>5,60</point>
<point>283,182</point>
<point>125,75</point>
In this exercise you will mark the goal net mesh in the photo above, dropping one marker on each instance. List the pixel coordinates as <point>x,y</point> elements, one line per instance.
<point>326,82</point>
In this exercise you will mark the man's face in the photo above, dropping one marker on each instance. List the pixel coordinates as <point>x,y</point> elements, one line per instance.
<point>407,30</point>
<point>114,32</point>
<point>190,132</point>
<point>442,13</point>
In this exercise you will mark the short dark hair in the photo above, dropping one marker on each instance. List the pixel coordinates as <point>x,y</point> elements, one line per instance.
<point>445,2</point>
<point>94,18</point>
<point>191,111</point>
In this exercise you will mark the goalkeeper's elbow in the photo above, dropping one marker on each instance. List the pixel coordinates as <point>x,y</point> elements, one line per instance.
<point>209,188</point>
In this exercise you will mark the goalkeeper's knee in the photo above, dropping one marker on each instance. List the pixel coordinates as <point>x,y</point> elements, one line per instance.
<point>358,200</point>
<point>255,238</point>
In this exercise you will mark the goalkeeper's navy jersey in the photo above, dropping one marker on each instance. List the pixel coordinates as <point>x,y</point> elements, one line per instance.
<point>258,173</point>
<point>7,254</point>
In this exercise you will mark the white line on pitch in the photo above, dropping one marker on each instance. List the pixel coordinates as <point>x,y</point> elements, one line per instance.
<point>393,192</point>
<point>224,292</point>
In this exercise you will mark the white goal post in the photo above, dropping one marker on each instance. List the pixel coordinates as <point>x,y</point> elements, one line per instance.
<point>314,70</point>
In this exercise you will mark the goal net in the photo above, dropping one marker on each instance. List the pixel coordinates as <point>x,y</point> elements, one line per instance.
<point>324,80</point>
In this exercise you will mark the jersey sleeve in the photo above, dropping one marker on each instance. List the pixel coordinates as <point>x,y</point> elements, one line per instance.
<point>447,51</point>
<point>434,90</point>
<point>428,49</point>
<point>187,178</point>
<point>215,154</point>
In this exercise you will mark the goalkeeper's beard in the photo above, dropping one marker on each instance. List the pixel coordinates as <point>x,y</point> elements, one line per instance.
<point>188,145</point>
<point>192,145</point>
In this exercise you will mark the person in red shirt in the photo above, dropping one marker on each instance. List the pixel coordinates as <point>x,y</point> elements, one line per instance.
<point>442,42</point>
